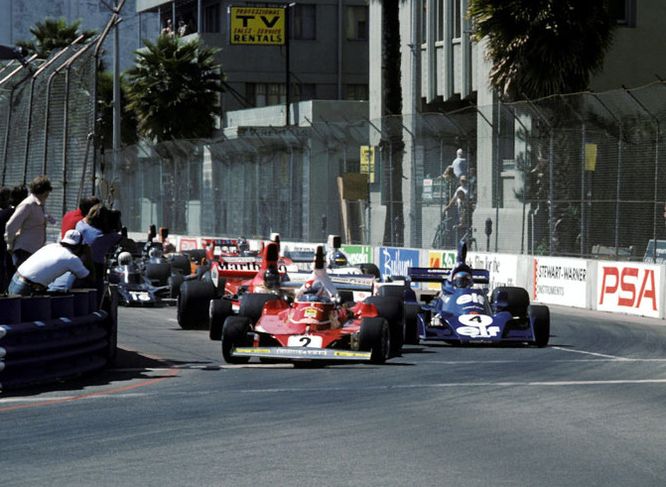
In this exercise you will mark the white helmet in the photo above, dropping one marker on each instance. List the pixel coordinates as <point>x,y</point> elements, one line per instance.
<point>155,253</point>
<point>124,258</point>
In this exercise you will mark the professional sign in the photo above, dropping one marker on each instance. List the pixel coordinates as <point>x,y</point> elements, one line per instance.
<point>358,254</point>
<point>560,281</point>
<point>395,261</point>
<point>629,288</point>
<point>368,161</point>
<point>257,26</point>
<point>503,267</point>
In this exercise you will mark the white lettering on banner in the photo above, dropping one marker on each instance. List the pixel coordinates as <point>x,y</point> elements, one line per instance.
<point>629,288</point>
<point>503,268</point>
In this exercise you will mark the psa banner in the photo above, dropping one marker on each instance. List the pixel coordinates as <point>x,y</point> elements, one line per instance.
<point>629,288</point>
<point>358,254</point>
<point>395,261</point>
<point>559,280</point>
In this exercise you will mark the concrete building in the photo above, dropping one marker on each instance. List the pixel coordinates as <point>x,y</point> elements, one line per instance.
<point>328,50</point>
<point>443,69</point>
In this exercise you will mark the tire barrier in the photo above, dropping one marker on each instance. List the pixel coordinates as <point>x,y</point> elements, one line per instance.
<point>51,338</point>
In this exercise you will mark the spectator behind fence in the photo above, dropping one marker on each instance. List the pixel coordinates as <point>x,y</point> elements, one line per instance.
<point>459,164</point>
<point>47,264</point>
<point>100,230</point>
<point>26,229</point>
<point>6,211</point>
<point>72,217</point>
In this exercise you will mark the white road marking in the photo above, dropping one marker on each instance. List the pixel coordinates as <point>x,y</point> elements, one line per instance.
<point>589,353</point>
<point>573,361</point>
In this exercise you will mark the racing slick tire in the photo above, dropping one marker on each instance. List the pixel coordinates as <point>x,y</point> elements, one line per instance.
<point>392,290</point>
<point>252,305</point>
<point>411,323</point>
<point>370,269</point>
<point>174,282</point>
<point>220,310</point>
<point>515,300</point>
<point>375,337</point>
<point>391,308</point>
<point>158,272</point>
<point>192,306</point>
<point>234,333</point>
<point>180,263</point>
<point>540,319</point>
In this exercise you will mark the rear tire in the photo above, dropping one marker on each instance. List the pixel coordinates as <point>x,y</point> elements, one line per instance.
<point>174,282</point>
<point>540,319</point>
<point>180,263</point>
<point>515,300</point>
<point>391,309</point>
<point>220,309</point>
<point>252,305</point>
<point>158,273</point>
<point>235,334</point>
<point>411,323</point>
<point>193,303</point>
<point>375,338</point>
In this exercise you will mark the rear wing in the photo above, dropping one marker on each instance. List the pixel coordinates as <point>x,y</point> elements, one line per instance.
<point>342,282</point>
<point>434,274</point>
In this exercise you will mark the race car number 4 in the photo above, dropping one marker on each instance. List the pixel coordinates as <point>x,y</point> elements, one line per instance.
<point>307,341</point>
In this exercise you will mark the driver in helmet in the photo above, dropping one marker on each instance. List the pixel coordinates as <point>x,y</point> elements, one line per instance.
<point>461,277</point>
<point>337,259</point>
<point>243,247</point>
<point>155,254</point>
<point>313,291</point>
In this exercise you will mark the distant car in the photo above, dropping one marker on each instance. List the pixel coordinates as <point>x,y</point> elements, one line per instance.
<point>316,326</point>
<point>134,288</point>
<point>464,312</point>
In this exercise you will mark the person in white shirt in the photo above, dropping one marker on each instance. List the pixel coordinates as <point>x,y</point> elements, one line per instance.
<point>459,164</point>
<point>47,264</point>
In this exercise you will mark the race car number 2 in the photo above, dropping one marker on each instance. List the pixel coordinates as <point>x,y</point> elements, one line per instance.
<point>307,341</point>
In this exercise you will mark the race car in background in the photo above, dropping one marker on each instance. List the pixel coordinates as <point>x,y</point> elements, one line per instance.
<point>465,312</point>
<point>314,325</point>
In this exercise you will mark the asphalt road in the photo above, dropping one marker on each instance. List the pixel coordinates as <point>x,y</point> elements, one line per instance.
<point>589,410</point>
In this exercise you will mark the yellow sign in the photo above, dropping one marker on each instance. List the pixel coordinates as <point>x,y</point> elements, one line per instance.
<point>590,157</point>
<point>368,161</point>
<point>257,26</point>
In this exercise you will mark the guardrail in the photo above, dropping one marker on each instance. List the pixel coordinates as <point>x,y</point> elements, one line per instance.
<point>51,338</point>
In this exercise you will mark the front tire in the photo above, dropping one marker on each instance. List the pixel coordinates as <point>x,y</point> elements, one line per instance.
<point>252,305</point>
<point>515,300</point>
<point>412,323</point>
<point>375,338</point>
<point>391,308</point>
<point>220,309</point>
<point>235,334</point>
<point>540,319</point>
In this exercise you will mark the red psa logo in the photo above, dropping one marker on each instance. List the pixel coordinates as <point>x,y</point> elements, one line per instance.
<point>631,286</point>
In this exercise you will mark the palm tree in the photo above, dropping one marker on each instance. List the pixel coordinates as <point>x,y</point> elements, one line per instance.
<point>539,48</point>
<point>174,89</point>
<point>542,47</point>
<point>51,35</point>
<point>128,127</point>
<point>392,145</point>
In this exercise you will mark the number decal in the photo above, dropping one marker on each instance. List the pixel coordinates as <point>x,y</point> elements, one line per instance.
<point>305,341</point>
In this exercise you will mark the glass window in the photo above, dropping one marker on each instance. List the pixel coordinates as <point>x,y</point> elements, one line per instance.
<point>457,19</point>
<point>357,23</point>
<point>265,94</point>
<point>212,18</point>
<point>439,35</point>
<point>304,22</point>
<point>304,92</point>
<point>356,92</point>
<point>623,12</point>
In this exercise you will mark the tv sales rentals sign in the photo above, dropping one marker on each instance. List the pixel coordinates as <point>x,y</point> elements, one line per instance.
<point>629,288</point>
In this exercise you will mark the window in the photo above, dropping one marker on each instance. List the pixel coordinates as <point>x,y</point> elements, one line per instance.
<point>623,11</point>
<point>439,34</point>
<point>212,18</point>
<point>304,22</point>
<point>357,23</point>
<point>457,19</point>
<point>304,92</point>
<point>356,92</point>
<point>265,94</point>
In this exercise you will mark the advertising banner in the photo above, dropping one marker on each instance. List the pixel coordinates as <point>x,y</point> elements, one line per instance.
<point>440,259</point>
<point>395,261</point>
<point>188,243</point>
<point>259,26</point>
<point>358,254</point>
<point>560,280</point>
<point>503,268</point>
<point>629,288</point>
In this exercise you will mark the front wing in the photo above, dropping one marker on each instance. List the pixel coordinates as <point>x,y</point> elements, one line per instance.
<point>302,353</point>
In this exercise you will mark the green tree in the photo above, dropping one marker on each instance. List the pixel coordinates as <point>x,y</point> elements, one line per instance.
<point>53,34</point>
<point>128,125</point>
<point>174,89</point>
<point>542,47</point>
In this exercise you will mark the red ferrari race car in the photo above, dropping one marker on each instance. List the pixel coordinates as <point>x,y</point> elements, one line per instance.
<point>314,325</point>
